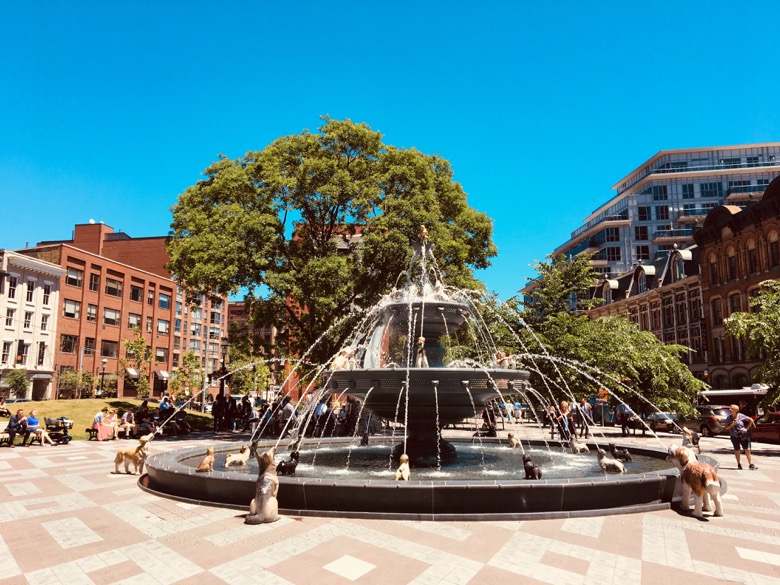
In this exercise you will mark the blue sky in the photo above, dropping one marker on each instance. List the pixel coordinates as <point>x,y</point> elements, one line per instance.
<point>111,110</point>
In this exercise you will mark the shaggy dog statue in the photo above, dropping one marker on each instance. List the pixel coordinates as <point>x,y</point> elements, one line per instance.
<point>690,439</point>
<point>403,473</point>
<point>137,456</point>
<point>532,471</point>
<point>239,458</point>
<point>264,507</point>
<point>577,446</point>
<point>512,441</point>
<point>699,479</point>
<point>208,461</point>
<point>619,454</point>
<point>609,464</point>
<point>344,360</point>
<point>288,467</point>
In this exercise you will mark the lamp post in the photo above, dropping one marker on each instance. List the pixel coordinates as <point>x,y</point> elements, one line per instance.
<point>103,376</point>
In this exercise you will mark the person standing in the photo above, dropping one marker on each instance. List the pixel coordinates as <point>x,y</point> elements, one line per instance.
<point>565,422</point>
<point>740,428</point>
<point>586,410</point>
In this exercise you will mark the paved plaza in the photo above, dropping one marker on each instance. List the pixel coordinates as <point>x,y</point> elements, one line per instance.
<point>65,518</point>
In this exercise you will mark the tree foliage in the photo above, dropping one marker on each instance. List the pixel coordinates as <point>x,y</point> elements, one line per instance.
<point>72,383</point>
<point>761,329</point>
<point>186,379</point>
<point>18,382</point>
<point>282,224</point>
<point>139,357</point>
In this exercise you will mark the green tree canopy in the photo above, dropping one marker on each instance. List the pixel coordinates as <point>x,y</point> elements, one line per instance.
<point>18,382</point>
<point>761,329</point>
<point>282,223</point>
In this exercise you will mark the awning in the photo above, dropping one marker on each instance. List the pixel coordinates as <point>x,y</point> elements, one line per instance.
<point>40,377</point>
<point>132,373</point>
<point>162,374</point>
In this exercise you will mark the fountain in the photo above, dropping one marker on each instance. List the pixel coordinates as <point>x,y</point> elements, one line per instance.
<point>395,366</point>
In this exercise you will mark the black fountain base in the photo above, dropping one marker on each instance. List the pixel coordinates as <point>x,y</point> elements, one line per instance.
<point>423,452</point>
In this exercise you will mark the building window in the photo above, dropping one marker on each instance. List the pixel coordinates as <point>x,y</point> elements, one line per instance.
<point>195,344</point>
<point>44,322</point>
<point>175,362</point>
<point>71,309</point>
<point>177,325</point>
<point>30,291</point>
<point>640,233</point>
<point>150,297</point>
<point>751,261</point>
<point>662,212</point>
<point>752,161</point>
<point>730,163</point>
<point>133,320</point>
<point>216,305</point>
<point>177,343</point>
<point>6,352</point>
<point>215,318</point>
<point>714,277</point>
<point>41,352</point>
<point>161,355</point>
<point>12,284</point>
<point>679,270</point>
<point>136,293</point>
<point>732,267</point>
<point>163,326</point>
<point>9,317</point>
<point>195,329</point>
<point>109,349</point>
<point>613,235</point>
<point>178,308</point>
<point>734,304</point>
<point>643,212</point>
<point>196,314</point>
<point>774,253</point>
<point>111,317</point>
<point>717,312</point>
<point>659,192</point>
<point>28,316</point>
<point>92,313</point>
<point>214,332</point>
<point>21,356</point>
<point>711,190</point>
<point>113,287</point>
<point>642,253</point>
<point>46,294</point>
<point>89,346</point>
<point>613,254</point>
<point>164,302</point>
<point>69,343</point>
<point>687,191</point>
<point>74,277</point>
<point>94,282</point>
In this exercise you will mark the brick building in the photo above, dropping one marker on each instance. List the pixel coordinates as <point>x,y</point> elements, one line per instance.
<point>113,283</point>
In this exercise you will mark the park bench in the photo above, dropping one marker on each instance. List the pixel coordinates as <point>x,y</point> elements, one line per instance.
<point>4,436</point>
<point>92,433</point>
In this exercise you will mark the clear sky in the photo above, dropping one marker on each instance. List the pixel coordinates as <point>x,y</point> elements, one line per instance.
<point>111,109</point>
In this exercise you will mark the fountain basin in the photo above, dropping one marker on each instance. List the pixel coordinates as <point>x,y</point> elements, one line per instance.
<point>444,499</point>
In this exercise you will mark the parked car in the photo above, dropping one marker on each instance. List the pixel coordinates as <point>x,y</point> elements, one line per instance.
<point>767,428</point>
<point>662,421</point>
<point>709,421</point>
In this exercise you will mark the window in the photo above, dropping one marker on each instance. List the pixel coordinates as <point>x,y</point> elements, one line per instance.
<point>41,352</point>
<point>74,277</point>
<point>150,297</point>
<point>163,326</point>
<point>164,302</point>
<point>149,324</point>
<point>177,343</point>
<point>94,282</point>
<point>195,329</point>
<point>196,314</point>
<point>89,346</point>
<point>642,253</point>
<point>613,254</point>
<point>711,190</point>
<point>178,308</point>
<point>751,261</point>
<point>732,266</point>
<point>640,232</point>
<point>730,163</point>
<point>46,293</point>
<point>28,319</point>
<point>111,317</point>
<point>659,192</point>
<point>687,191</point>
<point>9,317</point>
<point>21,356</point>
<point>678,270</point>
<point>30,291</point>
<point>613,235</point>
<point>662,212</point>
<point>214,333</point>
<point>161,355</point>
<point>12,284</point>
<point>714,277</point>
<point>71,309</point>
<point>177,325</point>
<point>113,287</point>
<point>214,347</point>
<point>136,293</point>
<point>216,305</point>
<point>44,322</point>
<point>195,344</point>
<point>774,253</point>
<point>734,304</point>
<point>133,320</point>
<point>717,312</point>
<point>6,352</point>
<point>752,161</point>
<point>92,313</point>
<point>175,362</point>
<point>109,349</point>
<point>69,343</point>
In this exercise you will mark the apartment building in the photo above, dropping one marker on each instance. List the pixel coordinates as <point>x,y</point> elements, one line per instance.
<point>29,297</point>
<point>662,202</point>
<point>113,284</point>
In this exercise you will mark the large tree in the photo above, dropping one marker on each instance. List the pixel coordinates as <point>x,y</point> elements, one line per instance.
<point>761,329</point>
<point>318,224</point>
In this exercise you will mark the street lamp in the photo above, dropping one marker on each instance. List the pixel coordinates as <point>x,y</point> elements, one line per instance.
<point>103,376</point>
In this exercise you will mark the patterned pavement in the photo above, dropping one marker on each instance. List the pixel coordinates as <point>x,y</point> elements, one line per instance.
<point>65,518</point>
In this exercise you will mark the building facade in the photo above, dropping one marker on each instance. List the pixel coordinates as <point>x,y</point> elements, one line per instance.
<point>113,284</point>
<point>660,203</point>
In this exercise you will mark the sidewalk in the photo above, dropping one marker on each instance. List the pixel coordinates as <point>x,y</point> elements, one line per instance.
<point>65,518</point>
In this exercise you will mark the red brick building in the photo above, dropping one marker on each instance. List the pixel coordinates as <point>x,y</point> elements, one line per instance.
<point>114,283</point>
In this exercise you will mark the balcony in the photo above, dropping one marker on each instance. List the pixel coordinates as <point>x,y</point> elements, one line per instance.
<point>745,193</point>
<point>673,236</point>
<point>693,215</point>
<point>664,170</point>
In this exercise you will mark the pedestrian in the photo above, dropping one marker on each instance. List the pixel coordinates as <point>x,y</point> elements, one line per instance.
<point>586,411</point>
<point>565,422</point>
<point>740,428</point>
<point>624,412</point>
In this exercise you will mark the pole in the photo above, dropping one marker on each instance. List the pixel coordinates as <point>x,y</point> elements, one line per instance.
<point>78,377</point>
<point>103,376</point>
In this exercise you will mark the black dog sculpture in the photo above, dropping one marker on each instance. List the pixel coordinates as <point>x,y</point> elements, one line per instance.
<point>288,467</point>
<point>487,432</point>
<point>619,453</point>
<point>364,440</point>
<point>532,471</point>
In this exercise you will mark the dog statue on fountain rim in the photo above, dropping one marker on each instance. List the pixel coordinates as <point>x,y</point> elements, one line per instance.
<point>421,361</point>
<point>513,441</point>
<point>577,446</point>
<point>609,464</point>
<point>403,473</point>
<point>698,479</point>
<point>264,507</point>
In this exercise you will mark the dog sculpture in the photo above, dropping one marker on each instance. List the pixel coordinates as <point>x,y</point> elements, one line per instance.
<point>699,479</point>
<point>344,360</point>
<point>364,439</point>
<point>487,431</point>
<point>532,471</point>
<point>208,461</point>
<point>403,473</point>
<point>513,441</point>
<point>421,360</point>
<point>288,466</point>
<point>618,453</point>
<point>137,456</point>
<point>610,465</point>
<point>690,439</point>
<point>264,507</point>
<point>577,446</point>
<point>239,458</point>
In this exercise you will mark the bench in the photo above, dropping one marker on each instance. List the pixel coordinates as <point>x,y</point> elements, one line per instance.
<point>4,436</point>
<point>92,433</point>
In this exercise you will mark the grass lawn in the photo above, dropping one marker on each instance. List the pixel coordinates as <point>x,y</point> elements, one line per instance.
<point>83,411</point>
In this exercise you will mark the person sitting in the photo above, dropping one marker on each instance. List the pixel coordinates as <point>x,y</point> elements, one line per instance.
<point>3,408</point>
<point>104,431</point>
<point>112,421</point>
<point>127,425</point>
<point>144,422</point>
<point>34,427</point>
<point>166,408</point>
<point>17,424</point>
